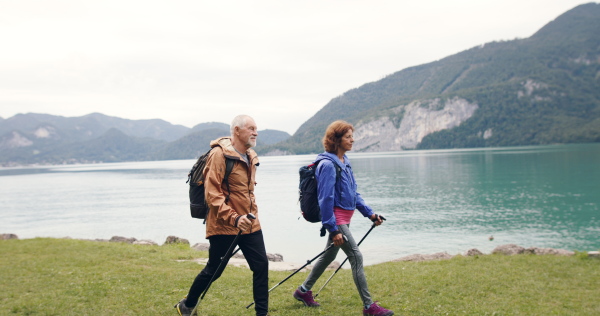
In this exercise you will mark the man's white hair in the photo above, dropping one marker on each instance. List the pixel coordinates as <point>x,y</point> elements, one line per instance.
<point>239,121</point>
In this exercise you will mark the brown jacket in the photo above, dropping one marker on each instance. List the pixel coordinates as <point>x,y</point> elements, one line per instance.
<point>221,217</point>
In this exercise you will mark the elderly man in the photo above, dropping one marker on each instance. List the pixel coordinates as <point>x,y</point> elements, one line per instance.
<point>230,205</point>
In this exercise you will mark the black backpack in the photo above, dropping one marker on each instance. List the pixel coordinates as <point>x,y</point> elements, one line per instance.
<point>198,206</point>
<point>309,201</point>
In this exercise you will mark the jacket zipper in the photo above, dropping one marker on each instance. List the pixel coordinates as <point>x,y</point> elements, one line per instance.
<point>250,192</point>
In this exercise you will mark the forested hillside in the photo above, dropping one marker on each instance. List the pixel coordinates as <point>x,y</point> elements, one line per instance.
<point>540,90</point>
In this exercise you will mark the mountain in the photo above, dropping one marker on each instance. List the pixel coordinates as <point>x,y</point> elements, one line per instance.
<point>210,125</point>
<point>541,90</point>
<point>265,137</point>
<point>192,145</point>
<point>196,143</point>
<point>112,146</point>
<point>93,125</point>
<point>47,139</point>
<point>271,136</point>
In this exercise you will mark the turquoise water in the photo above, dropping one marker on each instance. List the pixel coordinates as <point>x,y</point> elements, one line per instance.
<point>435,200</point>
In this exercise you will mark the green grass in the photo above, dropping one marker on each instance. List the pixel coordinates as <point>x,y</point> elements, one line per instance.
<point>45,276</point>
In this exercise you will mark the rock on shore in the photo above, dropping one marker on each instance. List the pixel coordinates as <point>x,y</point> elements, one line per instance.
<point>420,257</point>
<point>276,260</point>
<point>512,249</point>
<point>8,236</point>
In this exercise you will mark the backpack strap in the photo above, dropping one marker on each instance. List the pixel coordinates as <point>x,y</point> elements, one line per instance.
<point>338,174</point>
<point>229,163</point>
<point>338,169</point>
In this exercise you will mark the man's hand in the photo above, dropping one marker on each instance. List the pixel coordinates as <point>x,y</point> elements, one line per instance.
<point>244,223</point>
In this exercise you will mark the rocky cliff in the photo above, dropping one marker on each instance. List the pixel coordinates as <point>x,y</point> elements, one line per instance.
<point>408,124</point>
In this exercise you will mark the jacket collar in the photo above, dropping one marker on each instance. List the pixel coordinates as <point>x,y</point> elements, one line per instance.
<point>229,151</point>
<point>334,158</point>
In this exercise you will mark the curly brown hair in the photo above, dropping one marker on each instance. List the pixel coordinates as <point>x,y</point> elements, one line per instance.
<point>333,135</point>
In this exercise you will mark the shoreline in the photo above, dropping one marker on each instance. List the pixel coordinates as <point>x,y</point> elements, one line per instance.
<point>277,263</point>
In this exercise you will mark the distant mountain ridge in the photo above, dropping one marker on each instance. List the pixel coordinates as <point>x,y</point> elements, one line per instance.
<point>541,90</point>
<point>93,125</point>
<point>35,138</point>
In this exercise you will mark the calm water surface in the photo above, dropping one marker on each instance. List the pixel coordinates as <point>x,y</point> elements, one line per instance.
<point>435,200</point>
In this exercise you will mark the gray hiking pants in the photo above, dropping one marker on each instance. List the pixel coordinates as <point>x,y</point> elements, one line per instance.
<point>356,263</point>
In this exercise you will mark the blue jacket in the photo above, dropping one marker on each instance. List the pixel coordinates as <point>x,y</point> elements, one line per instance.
<point>341,193</point>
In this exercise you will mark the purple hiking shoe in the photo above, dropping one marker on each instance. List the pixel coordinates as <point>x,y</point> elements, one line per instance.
<point>376,310</point>
<point>306,298</point>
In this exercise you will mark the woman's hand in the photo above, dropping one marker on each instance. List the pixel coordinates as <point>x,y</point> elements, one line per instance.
<point>376,219</point>
<point>338,239</point>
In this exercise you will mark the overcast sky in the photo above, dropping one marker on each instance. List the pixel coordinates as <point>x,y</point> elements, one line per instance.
<point>189,62</point>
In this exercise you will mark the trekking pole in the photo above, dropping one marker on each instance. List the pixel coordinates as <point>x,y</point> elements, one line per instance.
<point>302,267</point>
<point>236,251</point>
<point>338,268</point>
<point>223,259</point>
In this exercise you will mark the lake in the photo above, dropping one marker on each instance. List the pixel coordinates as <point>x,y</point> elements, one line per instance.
<point>434,201</point>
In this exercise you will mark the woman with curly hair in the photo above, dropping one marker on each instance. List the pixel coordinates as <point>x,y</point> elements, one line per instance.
<point>338,199</point>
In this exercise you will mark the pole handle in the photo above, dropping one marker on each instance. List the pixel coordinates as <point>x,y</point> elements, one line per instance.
<point>251,217</point>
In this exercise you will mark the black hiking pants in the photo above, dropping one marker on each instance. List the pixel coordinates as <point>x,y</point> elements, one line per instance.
<point>253,247</point>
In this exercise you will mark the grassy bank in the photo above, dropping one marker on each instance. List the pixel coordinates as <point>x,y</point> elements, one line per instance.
<point>45,276</point>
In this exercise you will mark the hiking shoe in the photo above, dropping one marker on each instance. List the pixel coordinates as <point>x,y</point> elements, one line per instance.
<point>376,310</point>
<point>306,298</point>
<point>182,309</point>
